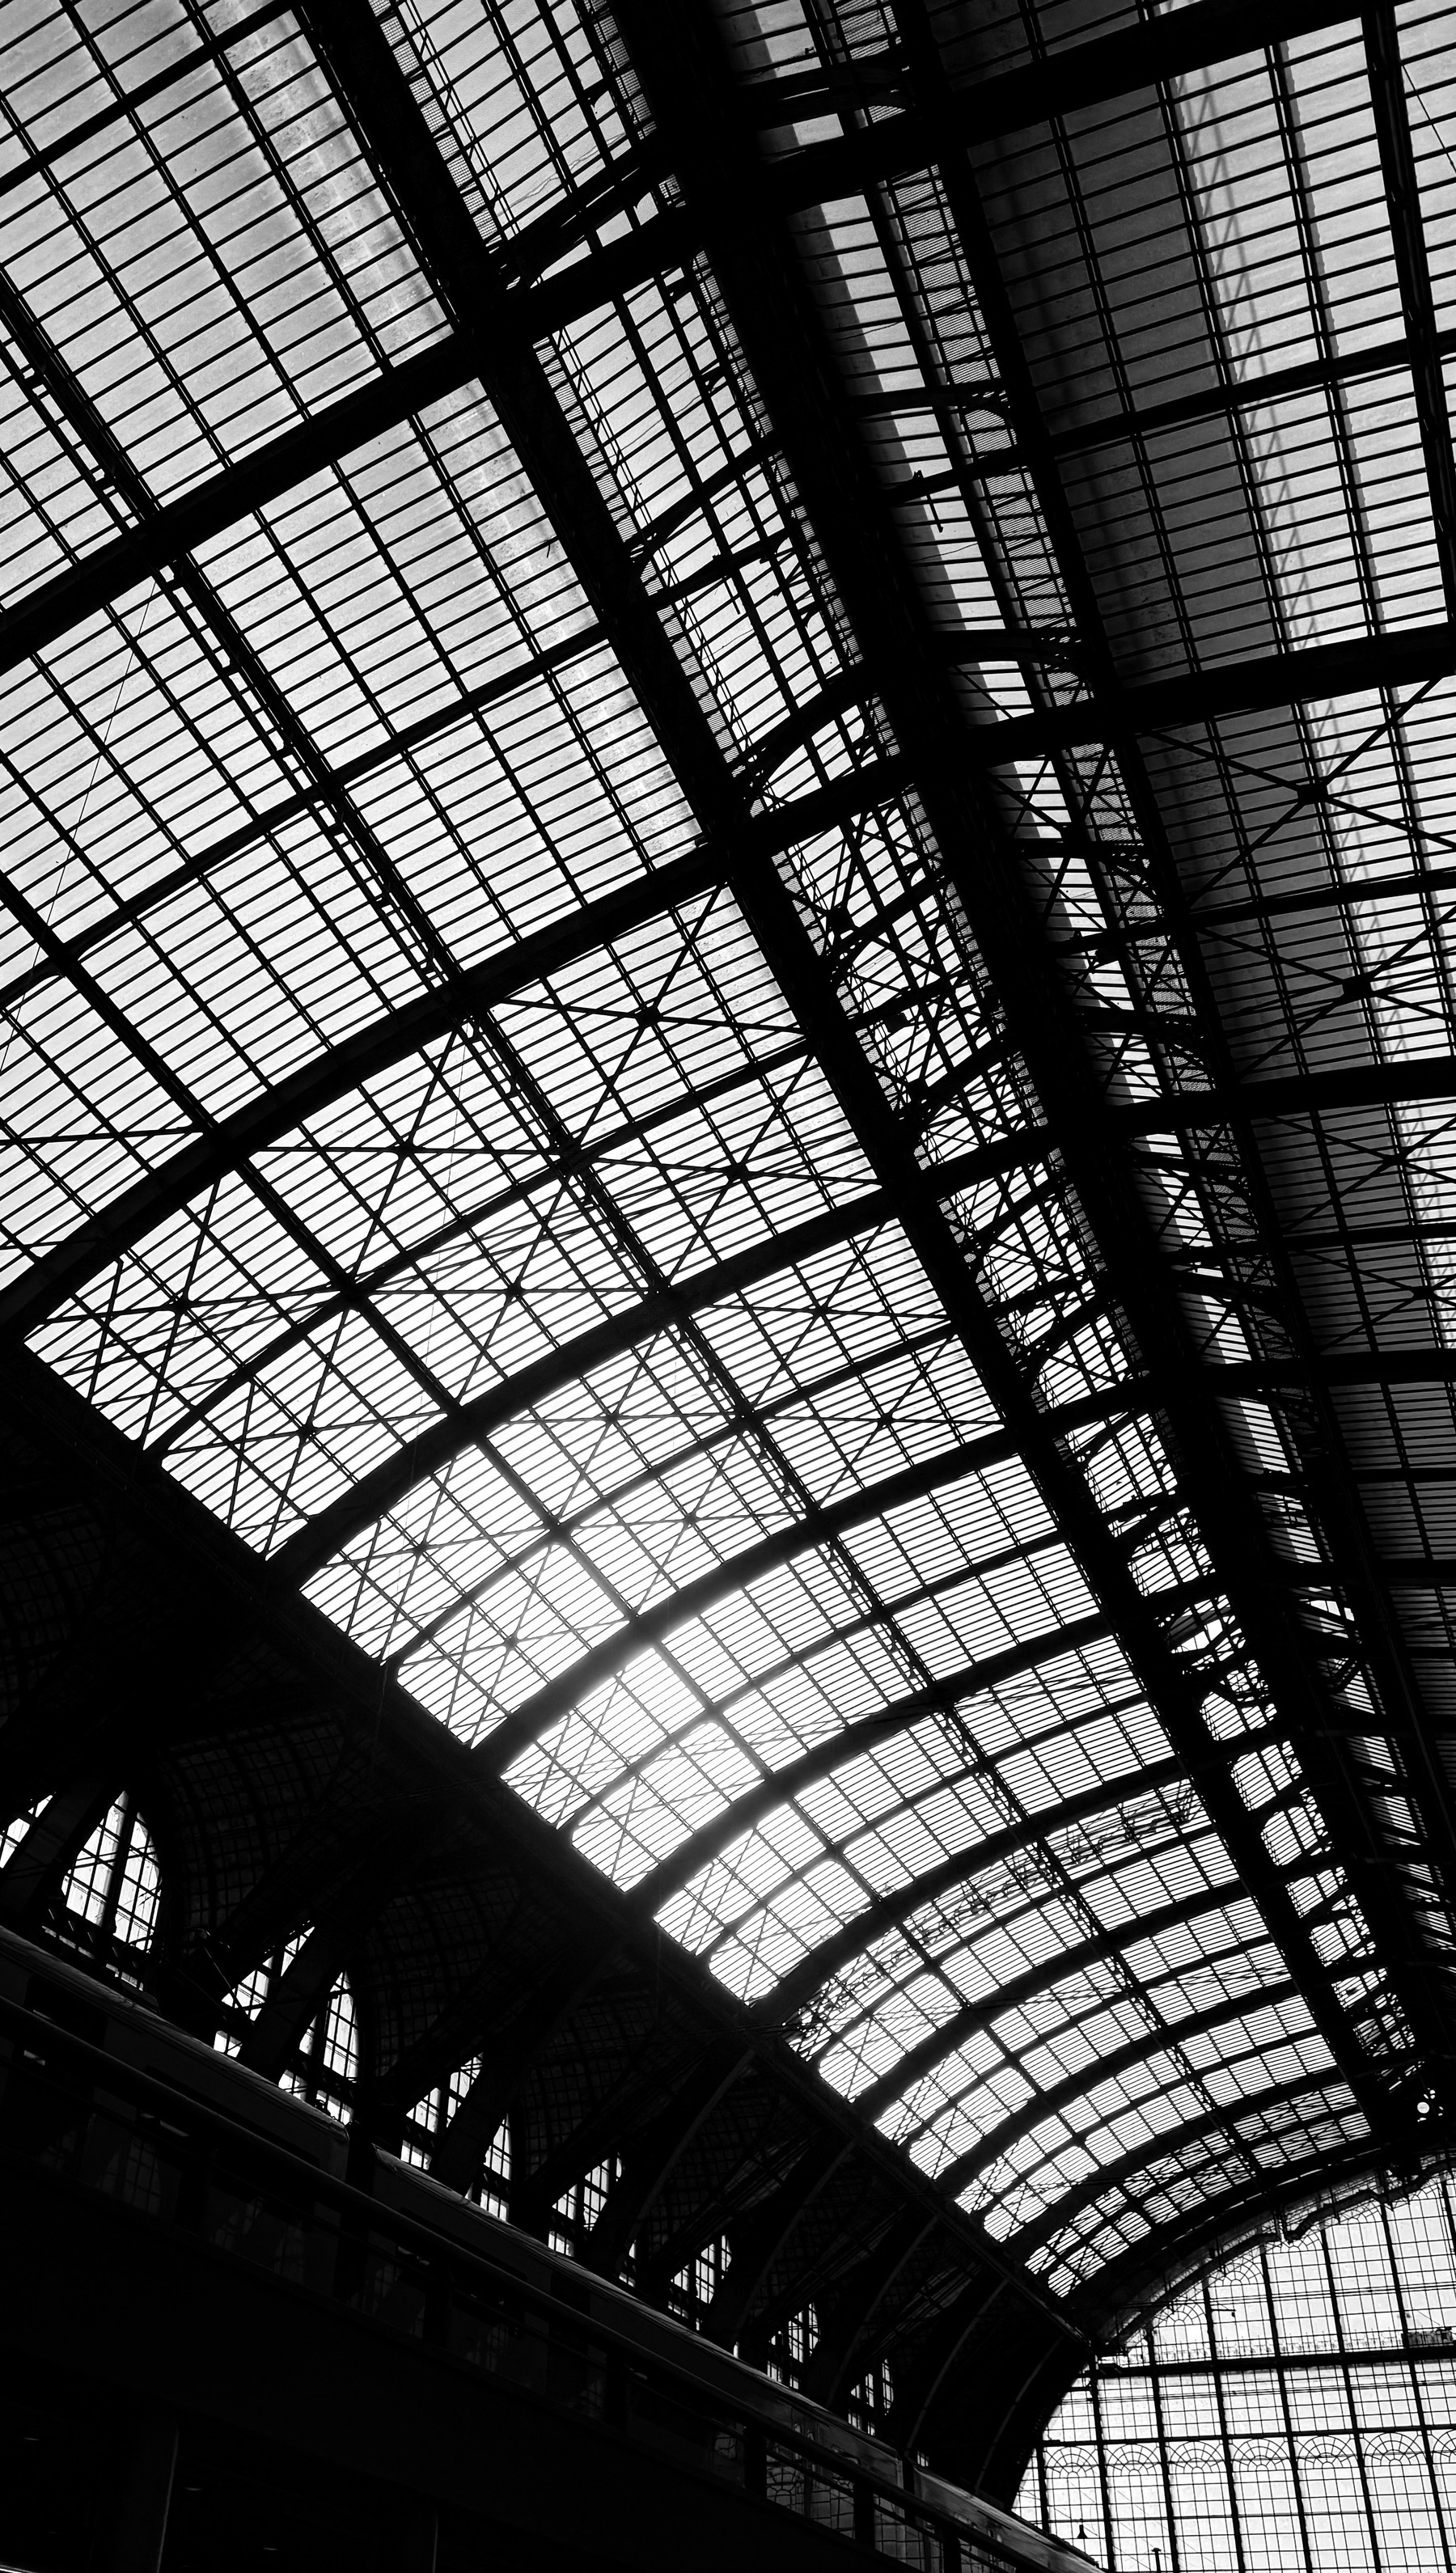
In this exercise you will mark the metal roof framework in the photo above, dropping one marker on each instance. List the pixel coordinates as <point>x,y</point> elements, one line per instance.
<point>727,861</point>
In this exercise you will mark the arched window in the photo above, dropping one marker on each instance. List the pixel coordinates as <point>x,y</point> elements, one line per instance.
<point>577,2208</point>
<point>791,2347</point>
<point>246,2000</point>
<point>426,2123</point>
<point>691,2293</point>
<point>112,1894</point>
<point>1296,2407</point>
<point>324,2068</point>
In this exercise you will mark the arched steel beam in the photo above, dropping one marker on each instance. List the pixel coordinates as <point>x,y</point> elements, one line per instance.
<point>1048,1646</point>
<point>1043,1978</point>
<point>1146,2156</point>
<point>649,2159</point>
<point>316,1084</point>
<point>888,1910</point>
<point>1165,2259</point>
<point>935,2356</point>
<point>843,2327</point>
<point>1106,2068</point>
<point>230,1140</point>
<point>377,1493</point>
<point>330,780</point>
<point>167,531</point>
<point>460,2150</point>
<point>796,366</point>
<point>618,1498</point>
<point>624,1495</point>
<point>759,2237</point>
<point>842,499</point>
<point>393,1849</point>
<point>897,1903</point>
<point>778,1785</point>
<point>367,1501</point>
<point>468,1219</point>
<point>800,1536</point>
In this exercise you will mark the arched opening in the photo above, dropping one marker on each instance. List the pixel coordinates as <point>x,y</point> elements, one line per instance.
<point>1295,2407</point>
<point>429,2118</point>
<point>325,2065</point>
<point>113,1892</point>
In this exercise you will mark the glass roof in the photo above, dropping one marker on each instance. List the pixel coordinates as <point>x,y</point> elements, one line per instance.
<point>712,1364</point>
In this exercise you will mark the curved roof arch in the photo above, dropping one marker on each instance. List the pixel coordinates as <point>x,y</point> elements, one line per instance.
<point>726,857</point>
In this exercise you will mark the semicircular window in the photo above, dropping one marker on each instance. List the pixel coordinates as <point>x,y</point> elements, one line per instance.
<point>1297,2406</point>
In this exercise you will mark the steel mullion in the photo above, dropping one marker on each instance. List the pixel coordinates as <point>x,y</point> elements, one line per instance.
<point>1286,2416</point>
<point>1357,2431</point>
<point>1418,2405</point>
<point>1215,2371</point>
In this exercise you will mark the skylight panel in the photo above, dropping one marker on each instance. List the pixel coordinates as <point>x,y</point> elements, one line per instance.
<point>56,78</point>
<point>226,263</point>
<point>523,108</point>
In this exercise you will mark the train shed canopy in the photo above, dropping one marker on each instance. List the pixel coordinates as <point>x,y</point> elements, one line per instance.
<point>729,1215</point>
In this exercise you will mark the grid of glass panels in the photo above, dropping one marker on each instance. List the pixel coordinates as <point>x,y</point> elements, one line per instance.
<point>278,801</point>
<point>1294,2410</point>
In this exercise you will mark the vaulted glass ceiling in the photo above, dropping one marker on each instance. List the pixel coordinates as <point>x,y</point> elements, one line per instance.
<point>727,880</point>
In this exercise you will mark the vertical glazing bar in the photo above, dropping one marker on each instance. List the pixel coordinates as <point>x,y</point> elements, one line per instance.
<point>1417,2397</point>
<point>1360,2435</point>
<point>1235,2515</point>
<point>1296,2485</point>
<point>1103,2485</point>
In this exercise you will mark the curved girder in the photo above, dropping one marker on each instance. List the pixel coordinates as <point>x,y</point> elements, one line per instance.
<point>620,1498</point>
<point>1154,2150</point>
<point>1089,2077</point>
<point>902,1902</point>
<point>1252,2052</point>
<point>1216,1106</point>
<point>1166,2258</point>
<point>934,1474</point>
<point>777,1786</point>
<point>458,1227</point>
<point>316,1084</point>
<point>1019,1990</point>
<point>373,1493</point>
<point>795,364</point>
